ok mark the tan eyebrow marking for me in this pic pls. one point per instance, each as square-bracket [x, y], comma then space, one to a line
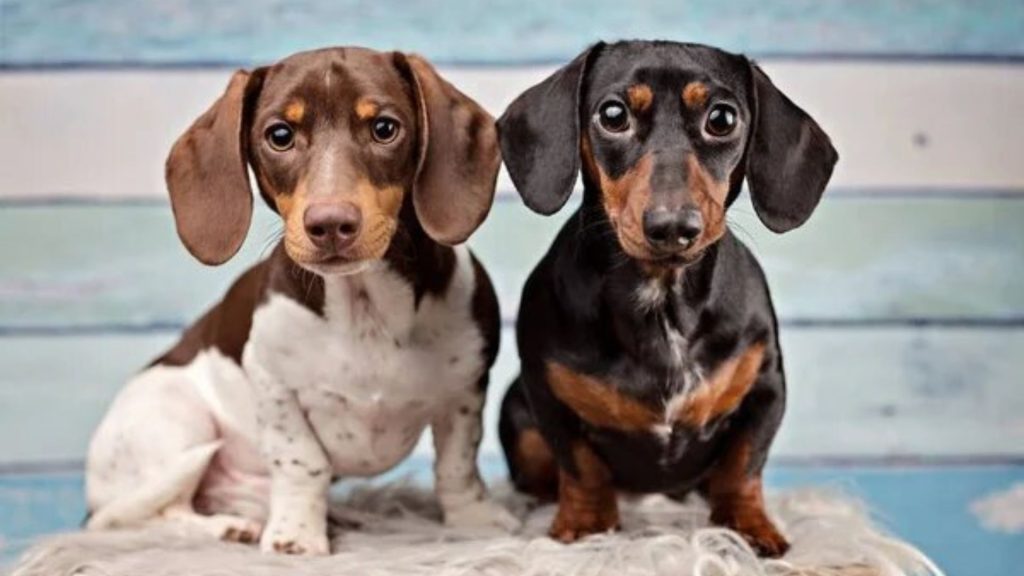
[295, 112]
[640, 97]
[366, 109]
[695, 94]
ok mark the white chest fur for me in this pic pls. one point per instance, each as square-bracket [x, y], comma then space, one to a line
[377, 367]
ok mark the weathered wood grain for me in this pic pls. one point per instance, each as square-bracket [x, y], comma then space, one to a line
[74, 267]
[852, 392]
[906, 124]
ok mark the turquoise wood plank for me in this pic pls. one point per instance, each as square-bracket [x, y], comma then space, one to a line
[53, 391]
[929, 507]
[853, 393]
[41, 32]
[121, 266]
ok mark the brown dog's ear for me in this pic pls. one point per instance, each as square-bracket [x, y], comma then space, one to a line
[458, 156]
[540, 136]
[789, 157]
[208, 178]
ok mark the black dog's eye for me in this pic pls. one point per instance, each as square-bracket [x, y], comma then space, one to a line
[721, 120]
[384, 129]
[280, 136]
[614, 117]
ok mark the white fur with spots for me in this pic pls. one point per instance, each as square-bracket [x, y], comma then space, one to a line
[345, 394]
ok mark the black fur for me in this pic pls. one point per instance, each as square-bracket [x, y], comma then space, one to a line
[579, 306]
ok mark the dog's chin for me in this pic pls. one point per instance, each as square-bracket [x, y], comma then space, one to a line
[652, 259]
[674, 260]
[338, 266]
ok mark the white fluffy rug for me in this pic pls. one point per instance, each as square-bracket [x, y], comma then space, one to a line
[393, 530]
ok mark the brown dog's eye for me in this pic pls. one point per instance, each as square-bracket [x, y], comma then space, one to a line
[385, 129]
[614, 117]
[721, 120]
[280, 136]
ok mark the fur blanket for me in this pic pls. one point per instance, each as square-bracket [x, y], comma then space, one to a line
[394, 529]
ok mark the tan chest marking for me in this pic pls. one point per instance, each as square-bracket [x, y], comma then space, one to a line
[724, 390]
[600, 404]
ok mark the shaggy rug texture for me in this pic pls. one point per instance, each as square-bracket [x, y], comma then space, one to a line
[394, 529]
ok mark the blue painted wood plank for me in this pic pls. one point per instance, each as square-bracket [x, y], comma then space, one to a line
[859, 258]
[53, 391]
[853, 393]
[929, 507]
[42, 32]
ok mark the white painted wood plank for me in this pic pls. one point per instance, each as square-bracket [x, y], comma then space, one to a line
[920, 124]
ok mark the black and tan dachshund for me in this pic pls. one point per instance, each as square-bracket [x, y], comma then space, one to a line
[649, 346]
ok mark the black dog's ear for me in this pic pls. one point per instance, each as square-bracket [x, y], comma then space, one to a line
[789, 157]
[207, 174]
[540, 136]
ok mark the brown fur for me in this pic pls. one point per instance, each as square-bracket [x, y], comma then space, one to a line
[625, 198]
[710, 195]
[723, 392]
[295, 112]
[536, 464]
[640, 97]
[737, 500]
[366, 109]
[695, 95]
[587, 503]
[212, 202]
[598, 403]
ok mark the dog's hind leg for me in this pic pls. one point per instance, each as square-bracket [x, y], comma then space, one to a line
[151, 450]
[531, 463]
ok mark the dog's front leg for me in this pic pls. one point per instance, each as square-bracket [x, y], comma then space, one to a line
[460, 490]
[300, 473]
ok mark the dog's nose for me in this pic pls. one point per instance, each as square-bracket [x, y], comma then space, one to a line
[332, 224]
[672, 229]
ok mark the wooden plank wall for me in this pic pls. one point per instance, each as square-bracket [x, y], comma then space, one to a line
[902, 300]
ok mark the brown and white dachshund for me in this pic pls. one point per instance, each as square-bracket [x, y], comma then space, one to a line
[648, 340]
[364, 326]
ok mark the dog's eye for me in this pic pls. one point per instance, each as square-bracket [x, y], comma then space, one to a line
[721, 120]
[614, 117]
[384, 129]
[280, 136]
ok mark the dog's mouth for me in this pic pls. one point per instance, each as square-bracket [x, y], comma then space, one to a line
[339, 266]
[648, 256]
[672, 261]
[329, 263]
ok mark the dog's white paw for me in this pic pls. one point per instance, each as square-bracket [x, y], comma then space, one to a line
[305, 536]
[482, 514]
[235, 529]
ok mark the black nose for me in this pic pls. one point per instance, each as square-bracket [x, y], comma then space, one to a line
[332, 225]
[672, 229]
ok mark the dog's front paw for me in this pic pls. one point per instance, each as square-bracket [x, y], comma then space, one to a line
[481, 514]
[294, 536]
[572, 523]
[757, 529]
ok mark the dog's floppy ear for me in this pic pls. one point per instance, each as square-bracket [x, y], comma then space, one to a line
[540, 136]
[458, 156]
[789, 157]
[207, 175]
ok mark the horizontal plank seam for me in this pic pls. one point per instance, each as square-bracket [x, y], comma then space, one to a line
[76, 466]
[508, 195]
[158, 327]
[1001, 58]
